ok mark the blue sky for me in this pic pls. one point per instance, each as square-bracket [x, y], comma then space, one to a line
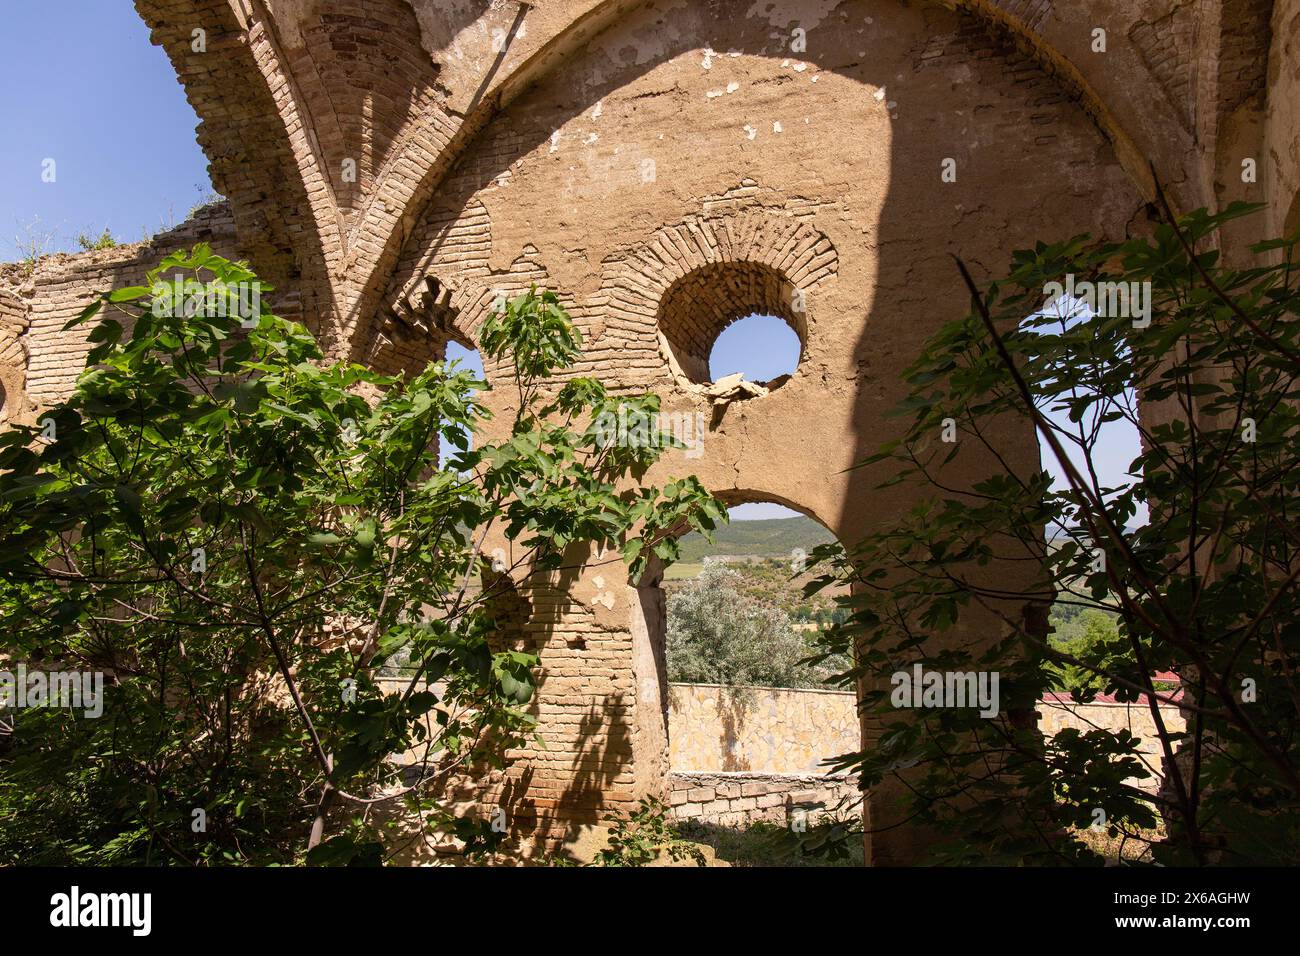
[762, 347]
[80, 84]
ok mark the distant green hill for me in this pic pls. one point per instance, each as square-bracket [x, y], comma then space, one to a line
[766, 538]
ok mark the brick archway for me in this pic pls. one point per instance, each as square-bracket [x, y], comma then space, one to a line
[438, 306]
[659, 773]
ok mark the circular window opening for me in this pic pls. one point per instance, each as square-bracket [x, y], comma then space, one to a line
[733, 319]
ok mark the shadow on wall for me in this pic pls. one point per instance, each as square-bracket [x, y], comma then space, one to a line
[947, 95]
[725, 748]
[731, 712]
[773, 730]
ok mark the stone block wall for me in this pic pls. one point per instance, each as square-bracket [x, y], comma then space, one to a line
[739, 799]
[1056, 712]
[742, 754]
[759, 729]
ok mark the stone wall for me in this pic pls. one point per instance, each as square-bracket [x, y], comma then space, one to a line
[1056, 712]
[781, 731]
[739, 799]
[758, 729]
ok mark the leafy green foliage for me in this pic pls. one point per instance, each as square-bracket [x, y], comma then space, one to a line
[1207, 588]
[89, 242]
[241, 535]
[1093, 636]
[834, 842]
[645, 835]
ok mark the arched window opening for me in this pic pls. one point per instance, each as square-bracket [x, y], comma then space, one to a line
[762, 348]
[463, 358]
[1105, 440]
[1101, 442]
[731, 322]
[459, 358]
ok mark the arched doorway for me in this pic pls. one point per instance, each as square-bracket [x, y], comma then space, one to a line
[748, 721]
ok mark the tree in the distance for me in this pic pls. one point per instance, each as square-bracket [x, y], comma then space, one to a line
[720, 634]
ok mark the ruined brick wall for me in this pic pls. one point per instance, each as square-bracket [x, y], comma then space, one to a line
[396, 89]
[686, 168]
[1057, 712]
[13, 356]
[36, 301]
[666, 165]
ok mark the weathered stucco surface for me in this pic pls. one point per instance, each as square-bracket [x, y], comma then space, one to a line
[667, 167]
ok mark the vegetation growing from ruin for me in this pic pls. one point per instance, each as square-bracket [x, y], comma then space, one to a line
[240, 534]
[94, 242]
[644, 836]
[34, 242]
[1208, 588]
